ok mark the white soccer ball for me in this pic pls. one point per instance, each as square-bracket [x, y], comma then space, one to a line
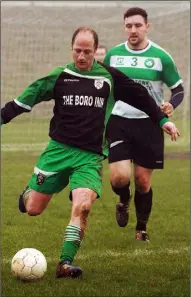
[29, 264]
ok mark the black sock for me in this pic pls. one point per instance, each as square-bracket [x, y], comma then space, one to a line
[123, 193]
[143, 205]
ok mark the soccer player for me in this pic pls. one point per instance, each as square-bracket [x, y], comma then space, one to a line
[133, 137]
[83, 92]
[100, 53]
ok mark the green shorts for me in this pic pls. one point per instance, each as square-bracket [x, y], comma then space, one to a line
[60, 165]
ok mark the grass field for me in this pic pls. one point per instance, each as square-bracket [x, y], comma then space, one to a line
[114, 264]
[32, 132]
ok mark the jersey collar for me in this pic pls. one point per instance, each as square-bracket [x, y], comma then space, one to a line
[85, 72]
[139, 51]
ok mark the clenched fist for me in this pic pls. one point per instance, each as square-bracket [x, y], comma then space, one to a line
[167, 108]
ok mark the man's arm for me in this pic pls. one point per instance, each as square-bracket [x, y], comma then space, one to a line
[38, 91]
[177, 95]
[11, 110]
[173, 80]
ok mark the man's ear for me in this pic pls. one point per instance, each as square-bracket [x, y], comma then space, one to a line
[148, 25]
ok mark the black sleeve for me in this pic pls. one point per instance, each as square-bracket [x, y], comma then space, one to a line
[177, 95]
[127, 90]
[10, 111]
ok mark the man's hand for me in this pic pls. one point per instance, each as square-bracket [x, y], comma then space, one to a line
[167, 108]
[171, 129]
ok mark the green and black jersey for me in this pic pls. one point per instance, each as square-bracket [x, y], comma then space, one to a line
[83, 103]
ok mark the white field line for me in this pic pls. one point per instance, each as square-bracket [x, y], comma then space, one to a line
[137, 253]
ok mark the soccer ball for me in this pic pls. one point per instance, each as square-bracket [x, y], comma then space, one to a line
[29, 264]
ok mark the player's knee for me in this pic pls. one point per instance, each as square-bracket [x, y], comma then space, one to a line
[119, 180]
[32, 208]
[82, 208]
[81, 211]
[142, 183]
[36, 203]
[84, 212]
[33, 211]
[85, 208]
[82, 201]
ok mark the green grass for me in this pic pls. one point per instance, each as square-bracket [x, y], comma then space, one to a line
[32, 132]
[114, 264]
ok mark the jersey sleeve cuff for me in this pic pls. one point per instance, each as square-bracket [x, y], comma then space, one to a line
[163, 121]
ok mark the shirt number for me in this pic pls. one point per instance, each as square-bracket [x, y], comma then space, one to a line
[134, 62]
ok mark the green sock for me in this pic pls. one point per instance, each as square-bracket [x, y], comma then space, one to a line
[71, 243]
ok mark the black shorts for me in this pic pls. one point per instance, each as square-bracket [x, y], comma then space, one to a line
[139, 140]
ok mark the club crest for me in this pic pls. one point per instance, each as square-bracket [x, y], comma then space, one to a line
[98, 83]
[40, 178]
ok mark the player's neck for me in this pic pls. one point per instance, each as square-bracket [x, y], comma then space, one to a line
[140, 46]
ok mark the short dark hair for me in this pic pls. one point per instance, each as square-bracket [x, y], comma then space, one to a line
[85, 29]
[136, 11]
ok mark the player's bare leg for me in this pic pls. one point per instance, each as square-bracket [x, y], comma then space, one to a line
[82, 200]
[32, 202]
